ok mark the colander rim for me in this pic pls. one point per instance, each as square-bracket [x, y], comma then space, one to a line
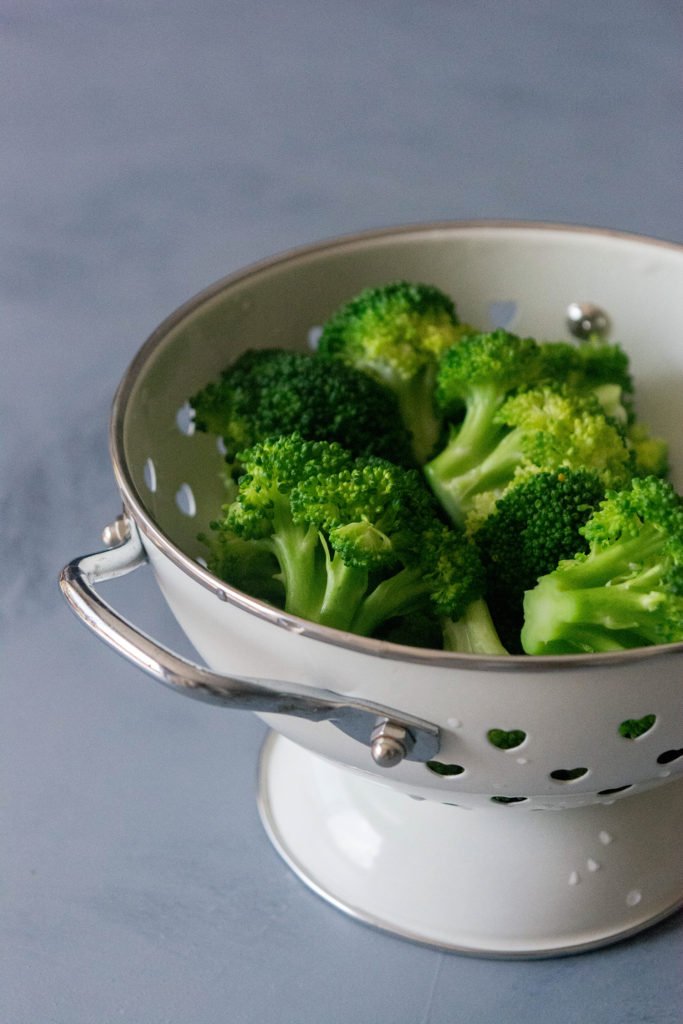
[134, 506]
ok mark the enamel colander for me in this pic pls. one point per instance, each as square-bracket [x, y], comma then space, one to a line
[500, 806]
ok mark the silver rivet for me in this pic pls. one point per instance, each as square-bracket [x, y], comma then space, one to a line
[388, 744]
[585, 319]
[117, 532]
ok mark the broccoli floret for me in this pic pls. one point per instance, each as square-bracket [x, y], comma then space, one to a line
[272, 391]
[530, 529]
[396, 333]
[478, 374]
[543, 428]
[594, 365]
[603, 369]
[627, 590]
[357, 541]
[650, 454]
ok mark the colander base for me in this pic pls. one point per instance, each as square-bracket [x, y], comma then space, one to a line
[501, 882]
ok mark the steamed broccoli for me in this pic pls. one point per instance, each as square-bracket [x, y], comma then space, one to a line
[531, 528]
[650, 454]
[272, 391]
[594, 365]
[356, 542]
[396, 333]
[604, 370]
[249, 565]
[541, 428]
[478, 374]
[627, 590]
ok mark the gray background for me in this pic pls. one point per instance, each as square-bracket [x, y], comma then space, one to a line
[148, 148]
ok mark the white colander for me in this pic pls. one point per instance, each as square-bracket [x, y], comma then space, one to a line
[399, 782]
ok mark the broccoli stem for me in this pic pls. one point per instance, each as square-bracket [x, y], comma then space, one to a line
[297, 549]
[416, 404]
[344, 590]
[474, 632]
[495, 470]
[476, 435]
[401, 594]
[596, 618]
[626, 560]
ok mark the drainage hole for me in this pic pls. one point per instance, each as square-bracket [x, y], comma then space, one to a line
[670, 755]
[502, 313]
[149, 473]
[615, 789]
[439, 768]
[505, 740]
[509, 799]
[184, 419]
[634, 728]
[313, 337]
[185, 500]
[568, 774]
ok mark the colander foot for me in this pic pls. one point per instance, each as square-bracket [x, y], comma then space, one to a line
[500, 882]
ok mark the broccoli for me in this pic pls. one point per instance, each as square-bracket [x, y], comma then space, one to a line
[594, 365]
[478, 374]
[396, 333]
[541, 428]
[650, 454]
[357, 542]
[604, 370]
[272, 391]
[531, 528]
[474, 632]
[248, 565]
[627, 590]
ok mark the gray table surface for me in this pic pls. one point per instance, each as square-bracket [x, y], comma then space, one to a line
[148, 148]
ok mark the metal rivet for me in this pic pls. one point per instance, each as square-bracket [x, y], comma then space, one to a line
[585, 319]
[388, 744]
[117, 532]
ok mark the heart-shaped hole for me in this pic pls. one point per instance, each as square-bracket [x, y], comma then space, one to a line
[502, 313]
[506, 739]
[634, 728]
[568, 774]
[439, 768]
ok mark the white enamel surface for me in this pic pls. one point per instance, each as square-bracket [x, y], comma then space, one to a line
[571, 717]
[496, 883]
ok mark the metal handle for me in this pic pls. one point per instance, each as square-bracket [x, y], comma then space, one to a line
[391, 735]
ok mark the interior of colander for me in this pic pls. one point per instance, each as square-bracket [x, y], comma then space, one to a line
[522, 278]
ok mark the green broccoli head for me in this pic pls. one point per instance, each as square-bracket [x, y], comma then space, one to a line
[396, 333]
[355, 541]
[593, 365]
[553, 426]
[271, 391]
[650, 454]
[603, 370]
[627, 590]
[372, 511]
[473, 381]
[536, 523]
[485, 368]
[542, 427]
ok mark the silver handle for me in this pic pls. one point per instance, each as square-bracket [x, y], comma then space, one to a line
[391, 735]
